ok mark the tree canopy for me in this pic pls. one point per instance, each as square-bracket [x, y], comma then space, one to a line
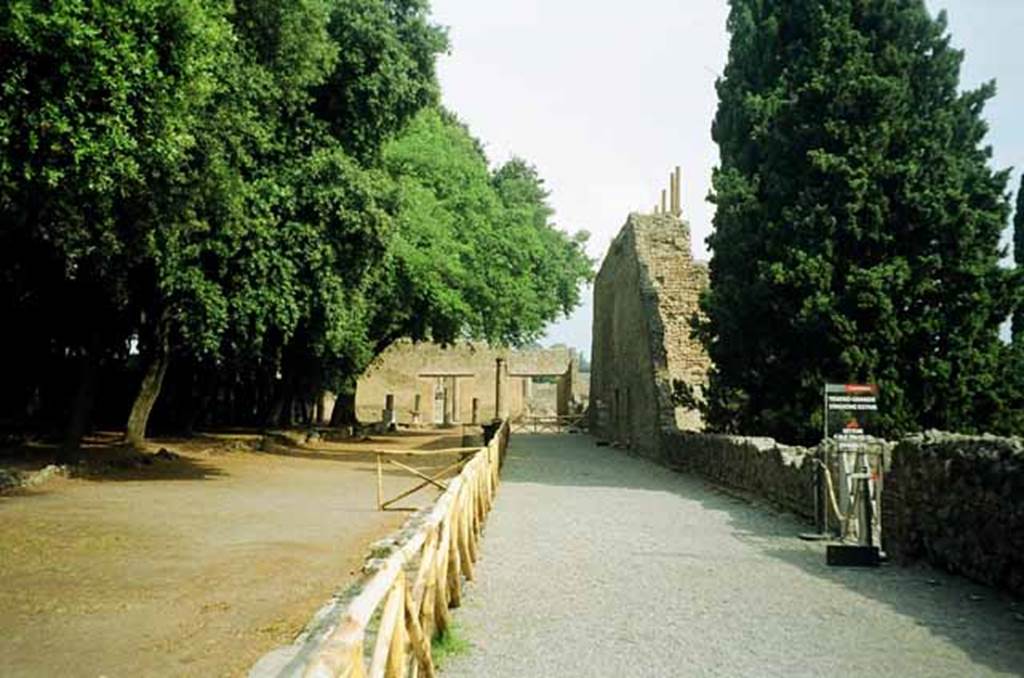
[240, 204]
[858, 223]
[1018, 258]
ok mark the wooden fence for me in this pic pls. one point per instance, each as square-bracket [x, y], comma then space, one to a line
[383, 627]
[549, 424]
[437, 478]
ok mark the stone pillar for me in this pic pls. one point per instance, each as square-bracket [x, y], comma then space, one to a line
[447, 421]
[389, 417]
[499, 389]
[476, 411]
[456, 401]
[417, 417]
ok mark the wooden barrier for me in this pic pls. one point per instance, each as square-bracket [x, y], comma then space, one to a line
[549, 424]
[383, 627]
[436, 479]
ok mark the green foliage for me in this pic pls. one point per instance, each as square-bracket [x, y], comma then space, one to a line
[474, 253]
[858, 223]
[250, 186]
[1018, 257]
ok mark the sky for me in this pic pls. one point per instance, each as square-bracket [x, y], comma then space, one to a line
[606, 98]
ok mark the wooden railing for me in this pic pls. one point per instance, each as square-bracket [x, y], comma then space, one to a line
[436, 478]
[549, 423]
[383, 626]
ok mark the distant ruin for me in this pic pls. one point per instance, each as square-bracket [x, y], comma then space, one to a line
[645, 296]
[468, 383]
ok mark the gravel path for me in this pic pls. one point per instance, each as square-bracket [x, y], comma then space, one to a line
[596, 563]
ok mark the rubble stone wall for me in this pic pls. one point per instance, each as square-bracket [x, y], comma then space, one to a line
[955, 501]
[781, 474]
[958, 501]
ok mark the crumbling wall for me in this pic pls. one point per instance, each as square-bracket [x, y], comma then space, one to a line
[399, 371]
[645, 296]
[782, 474]
[958, 501]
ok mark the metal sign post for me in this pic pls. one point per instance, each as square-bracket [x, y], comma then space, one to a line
[849, 411]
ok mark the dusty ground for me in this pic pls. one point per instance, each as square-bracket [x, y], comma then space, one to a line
[194, 566]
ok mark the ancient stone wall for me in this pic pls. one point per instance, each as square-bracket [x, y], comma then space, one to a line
[958, 501]
[782, 474]
[408, 369]
[645, 295]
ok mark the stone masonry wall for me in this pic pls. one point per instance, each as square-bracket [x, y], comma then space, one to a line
[958, 501]
[644, 296]
[398, 371]
[782, 474]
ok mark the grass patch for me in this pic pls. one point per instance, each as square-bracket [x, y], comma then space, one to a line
[449, 644]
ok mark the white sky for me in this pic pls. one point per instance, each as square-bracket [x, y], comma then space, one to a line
[605, 98]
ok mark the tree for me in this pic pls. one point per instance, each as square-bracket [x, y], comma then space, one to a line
[97, 109]
[196, 180]
[475, 254]
[237, 205]
[1018, 257]
[858, 222]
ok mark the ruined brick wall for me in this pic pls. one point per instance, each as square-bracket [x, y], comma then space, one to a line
[398, 371]
[644, 297]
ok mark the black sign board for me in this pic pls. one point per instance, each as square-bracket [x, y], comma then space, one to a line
[850, 411]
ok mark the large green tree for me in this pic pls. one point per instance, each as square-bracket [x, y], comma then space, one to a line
[474, 253]
[194, 179]
[99, 106]
[1018, 258]
[858, 222]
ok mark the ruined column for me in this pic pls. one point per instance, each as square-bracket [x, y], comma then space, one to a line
[416, 416]
[672, 193]
[456, 416]
[447, 417]
[678, 181]
[476, 411]
[389, 415]
[499, 389]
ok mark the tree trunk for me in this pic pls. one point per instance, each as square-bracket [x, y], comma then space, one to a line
[81, 409]
[282, 401]
[344, 413]
[318, 416]
[149, 390]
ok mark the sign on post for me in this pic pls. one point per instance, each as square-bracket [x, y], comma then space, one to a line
[850, 418]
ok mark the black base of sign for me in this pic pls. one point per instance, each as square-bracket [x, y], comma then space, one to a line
[845, 555]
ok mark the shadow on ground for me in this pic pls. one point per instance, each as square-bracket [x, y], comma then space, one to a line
[104, 457]
[987, 624]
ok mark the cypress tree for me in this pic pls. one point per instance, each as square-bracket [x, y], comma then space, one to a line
[858, 222]
[1018, 258]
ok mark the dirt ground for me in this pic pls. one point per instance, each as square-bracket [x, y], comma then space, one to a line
[193, 566]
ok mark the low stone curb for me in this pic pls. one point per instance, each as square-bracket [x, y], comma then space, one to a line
[11, 480]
